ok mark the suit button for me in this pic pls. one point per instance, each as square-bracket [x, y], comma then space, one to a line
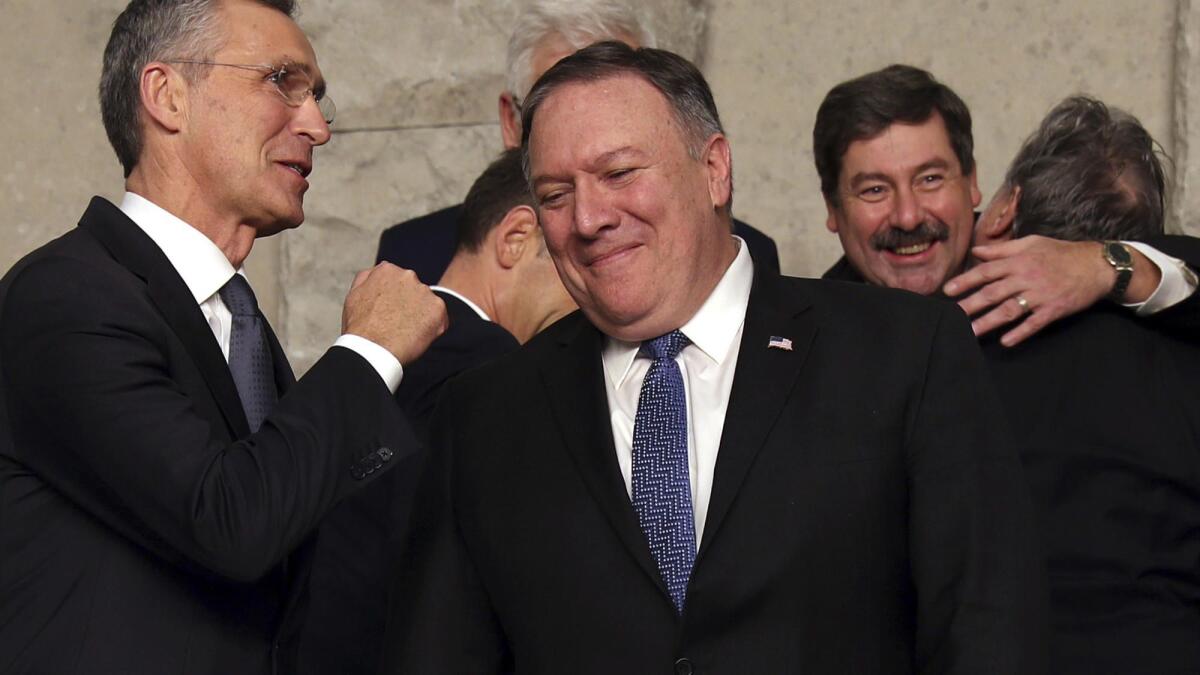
[684, 667]
[385, 454]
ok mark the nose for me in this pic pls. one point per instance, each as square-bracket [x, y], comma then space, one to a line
[593, 212]
[907, 213]
[310, 122]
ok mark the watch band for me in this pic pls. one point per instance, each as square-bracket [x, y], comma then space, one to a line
[1118, 255]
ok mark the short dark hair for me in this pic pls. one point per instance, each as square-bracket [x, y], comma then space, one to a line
[155, 30]
[1089, 172]
[499, 189]
[673, 76]
[862, 108]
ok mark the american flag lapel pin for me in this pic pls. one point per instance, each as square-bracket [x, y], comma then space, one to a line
[777, 342]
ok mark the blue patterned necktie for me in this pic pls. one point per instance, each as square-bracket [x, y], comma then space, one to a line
[662, 495]
[249, 357]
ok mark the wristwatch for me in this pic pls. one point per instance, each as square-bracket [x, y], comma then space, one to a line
[1117, 255]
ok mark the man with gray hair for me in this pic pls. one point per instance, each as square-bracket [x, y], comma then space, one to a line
[1105, 409]
[546, 31]
[161, 470]
[710, 468]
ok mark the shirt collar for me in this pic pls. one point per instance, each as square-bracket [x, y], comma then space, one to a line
[201, 264]
[466, 301]
[712, 329]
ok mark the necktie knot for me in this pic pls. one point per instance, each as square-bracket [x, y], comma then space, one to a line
[665, 346]
[239, 297]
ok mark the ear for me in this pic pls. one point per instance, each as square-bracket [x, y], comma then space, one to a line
[831, 216]
[515, 236]
[1001, 227]
[510, 121]
[164, 95]
[976, 196]
[719, 164]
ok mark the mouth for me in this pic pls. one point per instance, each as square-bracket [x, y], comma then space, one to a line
[612, 256]
[302, 169]
[910, 246]
[913, 249]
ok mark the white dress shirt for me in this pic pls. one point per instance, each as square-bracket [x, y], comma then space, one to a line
[1177, 284]
[205, 269]
[707, 366]
[466, 301]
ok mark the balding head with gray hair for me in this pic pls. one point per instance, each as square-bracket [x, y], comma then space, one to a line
[1089, 172]
[579, 22]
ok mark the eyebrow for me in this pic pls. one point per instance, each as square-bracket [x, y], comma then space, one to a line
[600, 160]
[304, 67]
[860, 178]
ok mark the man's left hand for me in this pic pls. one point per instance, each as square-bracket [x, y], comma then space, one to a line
[1034, 277]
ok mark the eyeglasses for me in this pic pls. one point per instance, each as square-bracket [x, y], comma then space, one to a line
[293, 84]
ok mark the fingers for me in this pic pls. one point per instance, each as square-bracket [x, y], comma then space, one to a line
[1030, 326]
[990, 295]
[359, 278]
[1003, 313]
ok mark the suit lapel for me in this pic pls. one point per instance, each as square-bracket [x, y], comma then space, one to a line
[574, 378]
[138, 253]
[762, 384]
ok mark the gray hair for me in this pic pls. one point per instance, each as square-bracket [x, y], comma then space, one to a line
[1089, 172]
[155, 30]
[579, 22]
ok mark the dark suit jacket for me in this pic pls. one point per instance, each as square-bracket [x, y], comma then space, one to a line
[1107, 414]
[1108, 422]
[868, 514]
[144, 529]
[357, 545]
[426, 244]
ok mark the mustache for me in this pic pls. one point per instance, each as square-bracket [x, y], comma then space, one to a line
[893, 238]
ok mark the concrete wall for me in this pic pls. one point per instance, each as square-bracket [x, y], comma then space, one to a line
[416, 84]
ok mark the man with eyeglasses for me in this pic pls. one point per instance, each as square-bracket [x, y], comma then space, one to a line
[161, 471]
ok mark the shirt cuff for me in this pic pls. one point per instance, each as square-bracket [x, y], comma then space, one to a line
[1178, 281]
[383, 361]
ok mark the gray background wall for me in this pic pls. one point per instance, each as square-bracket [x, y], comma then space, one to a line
[416, 84]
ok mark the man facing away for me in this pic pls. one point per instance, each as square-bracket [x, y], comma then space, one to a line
[546, 31]
[710, 468]
[160, 469]
[500, 290]
[1105, 409]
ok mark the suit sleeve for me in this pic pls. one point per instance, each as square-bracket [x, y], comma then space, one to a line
[981, 587]
[104, 408]
[441, 620]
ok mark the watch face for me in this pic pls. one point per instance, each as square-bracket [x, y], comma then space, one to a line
[1117, 253]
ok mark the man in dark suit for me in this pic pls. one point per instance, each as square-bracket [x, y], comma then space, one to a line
[545, 32]
[1105, 408]
[711, 468]
[895, 155]
[160, 469]
[1101, 401]
[500, 289]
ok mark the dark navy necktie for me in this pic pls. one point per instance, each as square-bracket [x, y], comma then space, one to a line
[662, 495]
[249, 357]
